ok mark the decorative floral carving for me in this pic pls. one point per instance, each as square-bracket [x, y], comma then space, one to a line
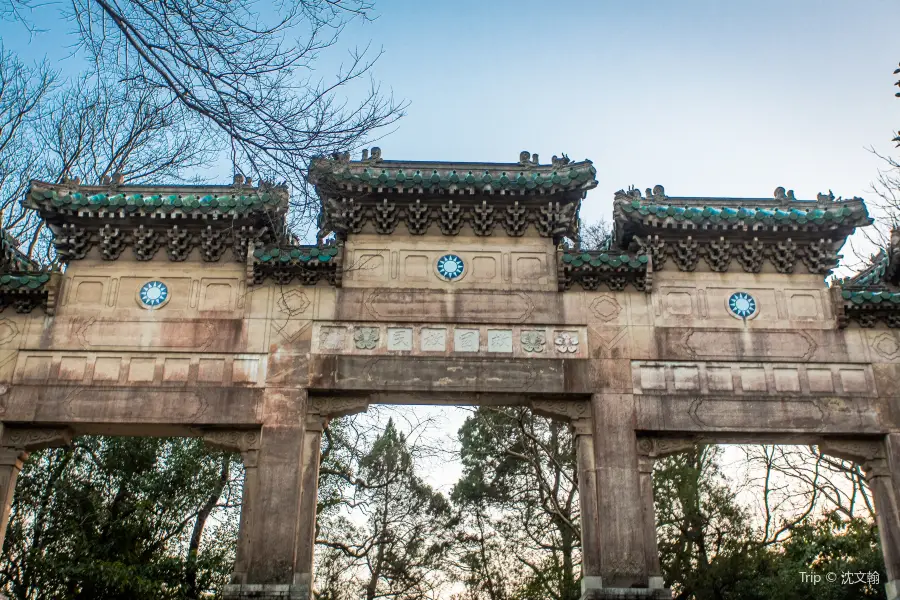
[566, 341]
[366, 338]
[332, 338]
[563, 410]
[32, 439]
[232, 439]
[533, 341]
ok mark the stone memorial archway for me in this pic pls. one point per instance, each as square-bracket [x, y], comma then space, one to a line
[185, 311]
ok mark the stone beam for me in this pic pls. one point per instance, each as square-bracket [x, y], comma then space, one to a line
[761, 415]
[449, 374]
[198, 406]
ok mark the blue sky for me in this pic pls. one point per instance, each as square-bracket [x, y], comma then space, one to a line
[704, 97]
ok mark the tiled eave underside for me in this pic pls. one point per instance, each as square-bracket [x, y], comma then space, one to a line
[223, 199]
[869, 306]
[439, 177]
[11, 258]
[309, 272]
[25, 291]
[552, 216]
[595, 270]
[455, 190]
[62, 215]
[175, 233]
[670, 228]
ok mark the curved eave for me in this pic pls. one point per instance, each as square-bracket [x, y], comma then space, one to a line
[298, 255]
[871, 298]
[604, 261]
[453, 177]
[154, 201]
[848, 215]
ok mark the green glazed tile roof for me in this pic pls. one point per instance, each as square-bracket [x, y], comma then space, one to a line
[12, 258]
[851, 213]
[882, 297]
[23, 281]
[223, 203]
[871, 275]
[296, 255]
[600, 259]
[484, 177]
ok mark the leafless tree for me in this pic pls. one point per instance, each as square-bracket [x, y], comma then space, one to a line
[248, 78]
[787, 484]
[23, 90]
[86, 130]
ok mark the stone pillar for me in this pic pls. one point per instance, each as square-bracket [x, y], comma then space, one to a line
[651, 551]
[264, 565]
[624, 568]
[587, 496]
[15, 446]
[649, 449]
[306, 530]
[246, 442]
[11, 460]
[578, 414]
[619, 492]
[278, 516]
[321, 410]
[881, 463]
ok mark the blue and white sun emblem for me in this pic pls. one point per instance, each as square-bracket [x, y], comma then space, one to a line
[153, 294]
[742, 305]
[450, 266]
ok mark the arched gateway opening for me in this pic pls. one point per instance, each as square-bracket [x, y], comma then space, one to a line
[190, 311]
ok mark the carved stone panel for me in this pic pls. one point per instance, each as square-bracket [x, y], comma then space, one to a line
[754, 379]
[450, 339]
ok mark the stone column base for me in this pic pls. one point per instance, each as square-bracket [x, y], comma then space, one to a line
[256, 591]
[627, 594]
[892, 589]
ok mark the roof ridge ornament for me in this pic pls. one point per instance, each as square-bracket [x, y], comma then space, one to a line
[560, 162]
[784, 197]
[375, 156]
[527, 159]
[67, 179]
[657, 194]
[825, 199]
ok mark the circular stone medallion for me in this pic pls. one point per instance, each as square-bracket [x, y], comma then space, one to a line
[742, 305]
[450, 267]
[153, 294]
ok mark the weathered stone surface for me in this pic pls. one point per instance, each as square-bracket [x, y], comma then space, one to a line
[635, 346]
[381, 373]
